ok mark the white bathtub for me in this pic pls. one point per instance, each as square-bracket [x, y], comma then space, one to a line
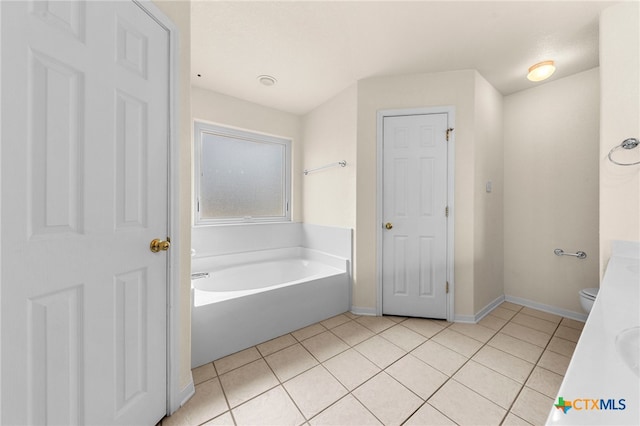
[249, 298]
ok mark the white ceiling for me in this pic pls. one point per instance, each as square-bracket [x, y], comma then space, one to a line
[317, 49]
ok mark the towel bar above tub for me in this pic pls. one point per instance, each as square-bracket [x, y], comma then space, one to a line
[342, 163]
[198, 275]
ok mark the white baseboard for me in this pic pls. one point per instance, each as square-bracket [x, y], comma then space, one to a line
[520, 301]
[363, 311]
[184, 395]
[470, 319]
[578, 316]
[473, 319]
[490, 307]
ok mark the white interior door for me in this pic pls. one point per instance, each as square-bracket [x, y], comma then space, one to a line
[414, 238]
[84, 191]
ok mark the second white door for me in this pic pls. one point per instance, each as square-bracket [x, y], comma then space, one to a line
[414, 242]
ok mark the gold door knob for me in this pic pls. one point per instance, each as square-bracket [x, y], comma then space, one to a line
[157, 245]
[388, 225]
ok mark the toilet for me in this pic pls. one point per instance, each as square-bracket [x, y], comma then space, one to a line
[587, 297]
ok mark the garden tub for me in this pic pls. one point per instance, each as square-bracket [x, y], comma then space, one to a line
[241, 300]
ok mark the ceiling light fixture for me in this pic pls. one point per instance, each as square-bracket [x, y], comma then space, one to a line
[267, 80]
[541, 71]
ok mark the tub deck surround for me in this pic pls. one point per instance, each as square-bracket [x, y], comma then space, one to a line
[276, 292]
[242, 238]
[602, 366]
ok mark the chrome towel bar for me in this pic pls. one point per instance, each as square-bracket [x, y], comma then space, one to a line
[579, 255]
[342, 163]
[198, 275]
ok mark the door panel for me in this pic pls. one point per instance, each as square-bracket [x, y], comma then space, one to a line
[85, 113]
[414, 200]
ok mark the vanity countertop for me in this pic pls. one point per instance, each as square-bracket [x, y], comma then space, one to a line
[603, 371]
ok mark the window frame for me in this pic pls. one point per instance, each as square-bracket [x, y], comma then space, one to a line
[203, 127]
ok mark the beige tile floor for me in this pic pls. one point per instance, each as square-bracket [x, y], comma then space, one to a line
[359, 370]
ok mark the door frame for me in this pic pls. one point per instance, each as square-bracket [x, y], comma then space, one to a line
[174, 395]
[450, 111]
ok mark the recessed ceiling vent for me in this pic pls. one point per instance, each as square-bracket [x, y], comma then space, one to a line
[267, 80]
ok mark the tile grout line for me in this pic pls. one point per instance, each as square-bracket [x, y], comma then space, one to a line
[281, 383]
[382, 370]
[459, 368]
[321, 363]
[524, 385]
[226, 400]
[425, 401]
[350, 392]
[470, 358]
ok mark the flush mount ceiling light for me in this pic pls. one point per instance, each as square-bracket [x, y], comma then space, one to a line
[541, 71]
[267, 80]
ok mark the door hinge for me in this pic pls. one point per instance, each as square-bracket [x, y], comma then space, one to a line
[446, 211]
[449, 130]
[447, 287]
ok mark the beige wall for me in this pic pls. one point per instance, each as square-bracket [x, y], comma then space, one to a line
[180, 13]
[330, 131]
[488, 206]
[415, 91]
[551, 190]
[229, 111]
[619, 120]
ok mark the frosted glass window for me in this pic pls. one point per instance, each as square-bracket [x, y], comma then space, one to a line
[241, 176]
